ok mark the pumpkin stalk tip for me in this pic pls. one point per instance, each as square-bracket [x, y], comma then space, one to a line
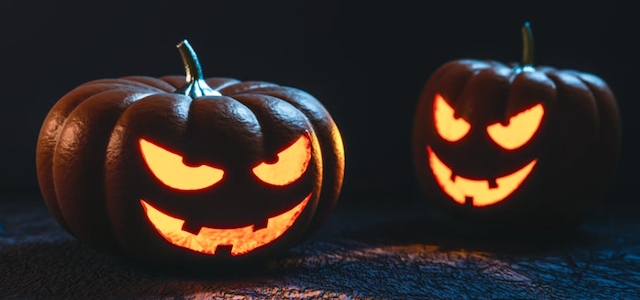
[182, 44]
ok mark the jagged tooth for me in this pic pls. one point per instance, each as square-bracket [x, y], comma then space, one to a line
[260, 225]
[191, 228]
[492, 183]
[223, 250]
[468, 201]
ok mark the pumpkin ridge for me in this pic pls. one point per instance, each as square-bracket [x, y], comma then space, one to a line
[219, 87]
[107, 87]
[151, 81]
[491, 74]
[223, 107]
[599, 99]
[253, 107]
[451, 69]
[49, 147]
[608, 111]
[246, 87]
[136, 83]
[560, 85]
[74, 107]
[563, 88]
[469, 73]
[97, 106]
[121, 81]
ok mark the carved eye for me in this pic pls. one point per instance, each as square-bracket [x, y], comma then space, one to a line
[520, 130]
[169, 168]
[291, 164]
[449, 127]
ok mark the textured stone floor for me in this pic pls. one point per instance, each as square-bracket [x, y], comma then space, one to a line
[370, 251]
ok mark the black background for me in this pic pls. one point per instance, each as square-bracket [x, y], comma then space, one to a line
[366, 61]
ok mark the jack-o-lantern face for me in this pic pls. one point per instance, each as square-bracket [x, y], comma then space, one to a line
[218, 190]
[170, 169]
[188, 172]
[482, 192]
[517, 146]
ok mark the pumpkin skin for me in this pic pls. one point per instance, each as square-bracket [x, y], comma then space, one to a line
[567, 162]
[94, 176]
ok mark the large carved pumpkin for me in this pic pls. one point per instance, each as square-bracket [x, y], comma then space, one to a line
[184, 171]
[517, 146]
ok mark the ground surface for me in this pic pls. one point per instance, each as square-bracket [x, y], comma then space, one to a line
[364, 252]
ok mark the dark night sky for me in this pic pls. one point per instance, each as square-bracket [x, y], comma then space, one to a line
[366, 61]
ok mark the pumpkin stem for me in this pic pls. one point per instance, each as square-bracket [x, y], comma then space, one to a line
[195, 85]
[527, 46]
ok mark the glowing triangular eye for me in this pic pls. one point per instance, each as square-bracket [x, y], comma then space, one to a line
[520, 130]
[449, 128]
[291, 164]
[169, 168]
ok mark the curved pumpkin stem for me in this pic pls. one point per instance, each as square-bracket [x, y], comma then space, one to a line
[527, 46]
[195, 85]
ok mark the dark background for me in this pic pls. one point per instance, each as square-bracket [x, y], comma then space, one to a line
[366, 61]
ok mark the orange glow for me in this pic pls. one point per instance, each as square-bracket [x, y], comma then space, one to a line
[242, 240]
[520, 130]
[460, 188]
[449, 127]
[291, 164]
[169, 168]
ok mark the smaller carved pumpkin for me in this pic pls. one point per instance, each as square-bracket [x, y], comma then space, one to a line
[188, 174]
[517, 146]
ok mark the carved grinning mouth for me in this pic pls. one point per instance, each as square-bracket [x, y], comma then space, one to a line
[242, 240]
[476, 192]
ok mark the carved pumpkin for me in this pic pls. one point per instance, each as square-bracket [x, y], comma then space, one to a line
[210, 171]
[517, 146]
